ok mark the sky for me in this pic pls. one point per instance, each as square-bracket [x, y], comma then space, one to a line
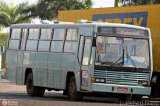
[96, 3]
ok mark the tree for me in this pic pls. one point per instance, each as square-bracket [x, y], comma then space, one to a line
[137, 2]
[10, 14]
[116, 3]
[48, 9]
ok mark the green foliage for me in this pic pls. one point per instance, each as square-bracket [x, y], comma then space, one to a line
[136, 2]
[48, 9]
[10, 14]
[3, 39]
[116, 3]
[3, 42]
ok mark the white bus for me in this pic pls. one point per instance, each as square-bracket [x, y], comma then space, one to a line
[80, 58]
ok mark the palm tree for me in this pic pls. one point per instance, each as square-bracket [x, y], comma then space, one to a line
[48, 9]
[10, 14]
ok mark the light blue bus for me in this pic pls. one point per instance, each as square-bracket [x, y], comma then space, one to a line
[83, 58]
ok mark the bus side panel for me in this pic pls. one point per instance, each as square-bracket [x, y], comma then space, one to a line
[41, 68]
[29, 62]
[54, 74]
[11, 62]
[67, 65]
[19, 73]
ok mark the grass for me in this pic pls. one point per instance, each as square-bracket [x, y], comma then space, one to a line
[3, 42]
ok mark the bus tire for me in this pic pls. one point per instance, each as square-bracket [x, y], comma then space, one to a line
[155, 92]
[125, 97]
[137, 97]
[31, 89]
[72, 91]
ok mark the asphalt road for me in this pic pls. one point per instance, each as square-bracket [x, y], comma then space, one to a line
[15, 95]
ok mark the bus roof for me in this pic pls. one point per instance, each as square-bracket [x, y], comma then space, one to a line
[98, 24]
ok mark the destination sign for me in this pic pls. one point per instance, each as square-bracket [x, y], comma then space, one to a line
[122, 31]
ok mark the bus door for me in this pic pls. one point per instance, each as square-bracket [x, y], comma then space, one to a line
[84, 60]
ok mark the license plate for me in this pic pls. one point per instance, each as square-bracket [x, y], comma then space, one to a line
[122, 89]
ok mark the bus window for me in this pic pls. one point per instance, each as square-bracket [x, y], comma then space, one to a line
[32, 40]
[71, 40]
[33, 34]
[57, 43]
[72, 34]
[44, 42]
[59, 34]
[14, 39]
[31, 45]
[13, 44]
[46, 34]
[56, 46]
[15, 33]
[24, 38]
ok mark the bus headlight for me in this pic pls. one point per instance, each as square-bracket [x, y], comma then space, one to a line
[98, 80]
[144, 83]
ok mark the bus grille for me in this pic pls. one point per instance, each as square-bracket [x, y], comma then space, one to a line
[117, 77]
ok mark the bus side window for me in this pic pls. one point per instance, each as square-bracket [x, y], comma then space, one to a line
[24, 38]
[14, 39]
[71, 40]
[57, 42]
[44, 42]
[32, 40]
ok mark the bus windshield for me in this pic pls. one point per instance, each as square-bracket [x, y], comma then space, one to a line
[122, 52]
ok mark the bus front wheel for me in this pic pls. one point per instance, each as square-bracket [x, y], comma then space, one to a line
[31, 89]
[72, 91]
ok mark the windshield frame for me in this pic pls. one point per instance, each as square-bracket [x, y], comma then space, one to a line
[124, 36]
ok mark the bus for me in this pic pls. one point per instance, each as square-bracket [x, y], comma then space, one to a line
[80, 59]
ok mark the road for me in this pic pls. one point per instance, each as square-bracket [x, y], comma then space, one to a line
[15, 95]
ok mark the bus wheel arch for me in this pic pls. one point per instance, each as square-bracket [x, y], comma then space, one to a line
[32, 90]
[71, 88]
[155, 85]
[68, 77]
[27, 71]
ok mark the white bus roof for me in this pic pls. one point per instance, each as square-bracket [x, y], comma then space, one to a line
[103, 24]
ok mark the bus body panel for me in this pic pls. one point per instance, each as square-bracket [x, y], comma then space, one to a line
[11, 62]
[113, 88]
[54, 65]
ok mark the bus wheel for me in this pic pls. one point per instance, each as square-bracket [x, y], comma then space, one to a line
[155, 92]
[31, 90]
[72, 91]
[125, 97]
[137, 97]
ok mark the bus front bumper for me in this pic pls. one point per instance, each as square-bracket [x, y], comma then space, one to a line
[123, 89]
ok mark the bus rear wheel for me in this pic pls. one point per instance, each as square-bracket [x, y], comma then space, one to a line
[31, 89]
[72, 91]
